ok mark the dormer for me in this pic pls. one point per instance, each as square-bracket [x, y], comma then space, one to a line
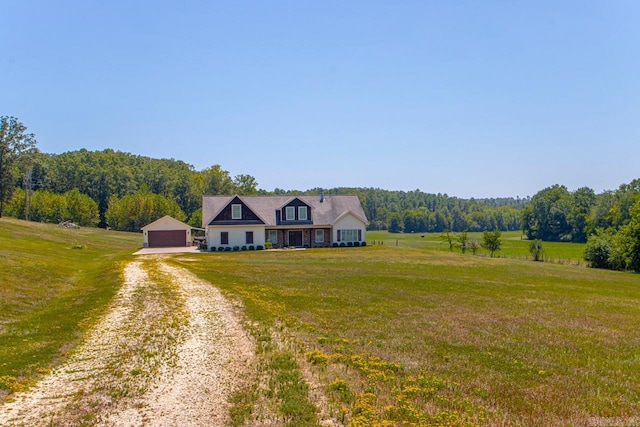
[295, 211]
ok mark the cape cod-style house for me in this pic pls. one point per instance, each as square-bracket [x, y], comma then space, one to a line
[285, 221]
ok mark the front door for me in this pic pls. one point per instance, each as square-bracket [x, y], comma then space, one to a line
[295, 238]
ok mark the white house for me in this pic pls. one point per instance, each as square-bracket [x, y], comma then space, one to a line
[165, 232]
[300, 221]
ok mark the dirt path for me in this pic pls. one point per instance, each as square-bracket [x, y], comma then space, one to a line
[169, 352]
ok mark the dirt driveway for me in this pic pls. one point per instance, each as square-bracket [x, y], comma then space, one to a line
[169, 352]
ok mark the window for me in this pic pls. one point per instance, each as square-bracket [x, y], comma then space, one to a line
[273, 236]
[236, 211]
[291, 213]
[349, 235]
[249, 237]
[319, 236]
[302, 213]
[224, 237]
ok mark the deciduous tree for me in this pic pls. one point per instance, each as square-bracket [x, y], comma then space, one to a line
[491, 241]
[15, 144]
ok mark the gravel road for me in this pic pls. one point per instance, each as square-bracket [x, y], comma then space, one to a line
[169, 352]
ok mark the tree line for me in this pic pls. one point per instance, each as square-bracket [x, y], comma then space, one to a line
[125, 191]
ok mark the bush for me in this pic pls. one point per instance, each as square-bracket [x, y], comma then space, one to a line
[244, 248]
[335, 245]
[268, 244]
[259, 247]
[350, 244]
[599, 250]
[342, 245]
[212, 249]
[535, 248]
[236, 248]
[252, 248]
[356, 244]
[221, 249]
[364, 244]
[227, 249]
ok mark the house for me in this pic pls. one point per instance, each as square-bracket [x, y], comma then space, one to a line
[166, 232]
[285, 221]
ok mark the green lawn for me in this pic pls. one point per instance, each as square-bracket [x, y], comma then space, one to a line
[514, 245]
[432, 337]
[54, 281]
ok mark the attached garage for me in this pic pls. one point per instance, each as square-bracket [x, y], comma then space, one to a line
[166, 232]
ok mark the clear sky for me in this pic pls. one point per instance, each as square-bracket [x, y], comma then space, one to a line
[469, 98]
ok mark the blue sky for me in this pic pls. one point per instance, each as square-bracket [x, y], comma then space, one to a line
[468, 98]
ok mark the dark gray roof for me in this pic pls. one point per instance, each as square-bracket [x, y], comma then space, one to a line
[323, 213]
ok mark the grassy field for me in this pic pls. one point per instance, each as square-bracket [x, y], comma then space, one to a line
[408, 335]
[53, 281]
[431, 337]
[514, 245]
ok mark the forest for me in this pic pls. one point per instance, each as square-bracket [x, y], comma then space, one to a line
[124, 191]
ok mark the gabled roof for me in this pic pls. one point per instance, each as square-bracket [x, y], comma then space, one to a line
[167, 220]
[221, 204]
[322, 213]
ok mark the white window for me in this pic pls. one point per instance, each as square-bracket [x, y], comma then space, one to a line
[236, 211]
[291, 213]
[319, 236]
[302, 213]
[348, 235]
[273, 236]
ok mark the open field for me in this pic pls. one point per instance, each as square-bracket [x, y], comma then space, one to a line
[54, 281]
[401, 334]
[376, 335]
[514, 245]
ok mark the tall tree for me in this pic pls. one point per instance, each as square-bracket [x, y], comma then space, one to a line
[629, 238]
[245, 185]
[217, 181]
[15, 144]
[555, 214]
[133, 211]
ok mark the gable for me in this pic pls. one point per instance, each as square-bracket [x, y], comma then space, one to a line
[291, 213]
[349, 220]
[166, 223]
[226, 214]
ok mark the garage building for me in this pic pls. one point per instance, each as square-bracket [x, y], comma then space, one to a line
[166, 232]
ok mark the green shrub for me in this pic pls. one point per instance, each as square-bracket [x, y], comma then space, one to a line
[236, 248]
[227, 249]
[356, 244]
[599, 250]
[259, 247]
[252, 248]
[221, 249]
[212, 249]
[243, 248]
[335, 245]
[268, 244]
[535, 249]
[350, 244]
[364, 244]
[342, 245]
